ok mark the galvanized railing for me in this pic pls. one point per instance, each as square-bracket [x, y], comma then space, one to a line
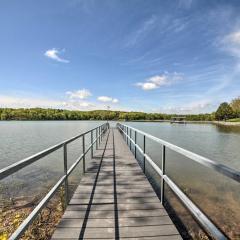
[7, 171]
[201, 218]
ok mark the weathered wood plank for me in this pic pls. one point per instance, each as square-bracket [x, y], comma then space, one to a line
[111, 195]
[134, 221]
[120, 206]
[122, 213]
[114, 200]
[107, 232]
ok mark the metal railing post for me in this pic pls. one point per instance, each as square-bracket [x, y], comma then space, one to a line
[96, 139]
[65, 172]
[130, 139]
[92, 144]
[163, 172]
[135, 148]
[99, 136]
[83, 148]
[144, 151]
[127, 135]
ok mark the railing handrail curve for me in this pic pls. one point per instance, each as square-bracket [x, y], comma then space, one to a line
[221, 168]
[4, 172]
[100, 130]
[201, 218]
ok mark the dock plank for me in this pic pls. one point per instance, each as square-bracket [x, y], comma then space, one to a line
[114, 200]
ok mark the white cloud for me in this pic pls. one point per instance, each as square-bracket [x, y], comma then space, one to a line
[107, 99]
[115, 100]
[158, 81]
[69, 103]
[54, 54]
[78, 105]
[79, 94]
[147, 85]
[24, 102]
[195, 107]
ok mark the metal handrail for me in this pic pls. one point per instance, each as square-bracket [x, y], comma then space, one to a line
[100, 130]
[221, 168]
[202, 219]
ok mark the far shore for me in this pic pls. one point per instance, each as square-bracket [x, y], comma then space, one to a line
[206, 122]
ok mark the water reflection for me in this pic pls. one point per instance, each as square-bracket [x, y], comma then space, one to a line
[228, 129]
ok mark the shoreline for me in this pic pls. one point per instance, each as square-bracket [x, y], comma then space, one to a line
[201, 122]
[227, 123]
[222, 123]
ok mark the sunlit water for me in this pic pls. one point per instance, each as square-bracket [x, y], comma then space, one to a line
[215, 194]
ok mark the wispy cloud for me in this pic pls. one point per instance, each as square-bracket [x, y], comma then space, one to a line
[26, 102]
[78, 105]
[195, 107]
[108, 99]
[231, 43]
[68, 103]
[79, 94]
[159, 81]
[54, 54]
[185, 3]
[145, 27]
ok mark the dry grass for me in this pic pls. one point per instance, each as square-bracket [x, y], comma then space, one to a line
[43, 226]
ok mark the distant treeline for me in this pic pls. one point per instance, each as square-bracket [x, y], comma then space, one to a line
[224, 112]
[58, 114]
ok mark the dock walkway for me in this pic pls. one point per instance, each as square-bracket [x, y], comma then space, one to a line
[114, 200]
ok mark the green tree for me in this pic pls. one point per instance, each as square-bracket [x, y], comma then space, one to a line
[224, 112]
[4, 116]
[235, 104]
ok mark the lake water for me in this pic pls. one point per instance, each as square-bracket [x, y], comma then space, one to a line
[20, 139]
[218, 196]
[215, 194]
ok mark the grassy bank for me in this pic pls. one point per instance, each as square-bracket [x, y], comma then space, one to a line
[12, 215]
[234, 120]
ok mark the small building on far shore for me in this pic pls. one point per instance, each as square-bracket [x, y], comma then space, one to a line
[179, 119]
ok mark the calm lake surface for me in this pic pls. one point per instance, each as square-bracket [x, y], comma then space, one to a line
[218, 196]
[215, 194]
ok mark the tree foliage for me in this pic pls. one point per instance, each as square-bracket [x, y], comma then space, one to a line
[59, 114]
[235, 104]
[224, 112]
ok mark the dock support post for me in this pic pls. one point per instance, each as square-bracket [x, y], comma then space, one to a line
[92, 144]
[163, 172]
[144, 151]
[83, 148]
[135, 148]
[65, 172]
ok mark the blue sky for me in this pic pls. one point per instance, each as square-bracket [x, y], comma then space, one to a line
[178, 56]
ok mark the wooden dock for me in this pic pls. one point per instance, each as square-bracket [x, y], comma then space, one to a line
[114, 200]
